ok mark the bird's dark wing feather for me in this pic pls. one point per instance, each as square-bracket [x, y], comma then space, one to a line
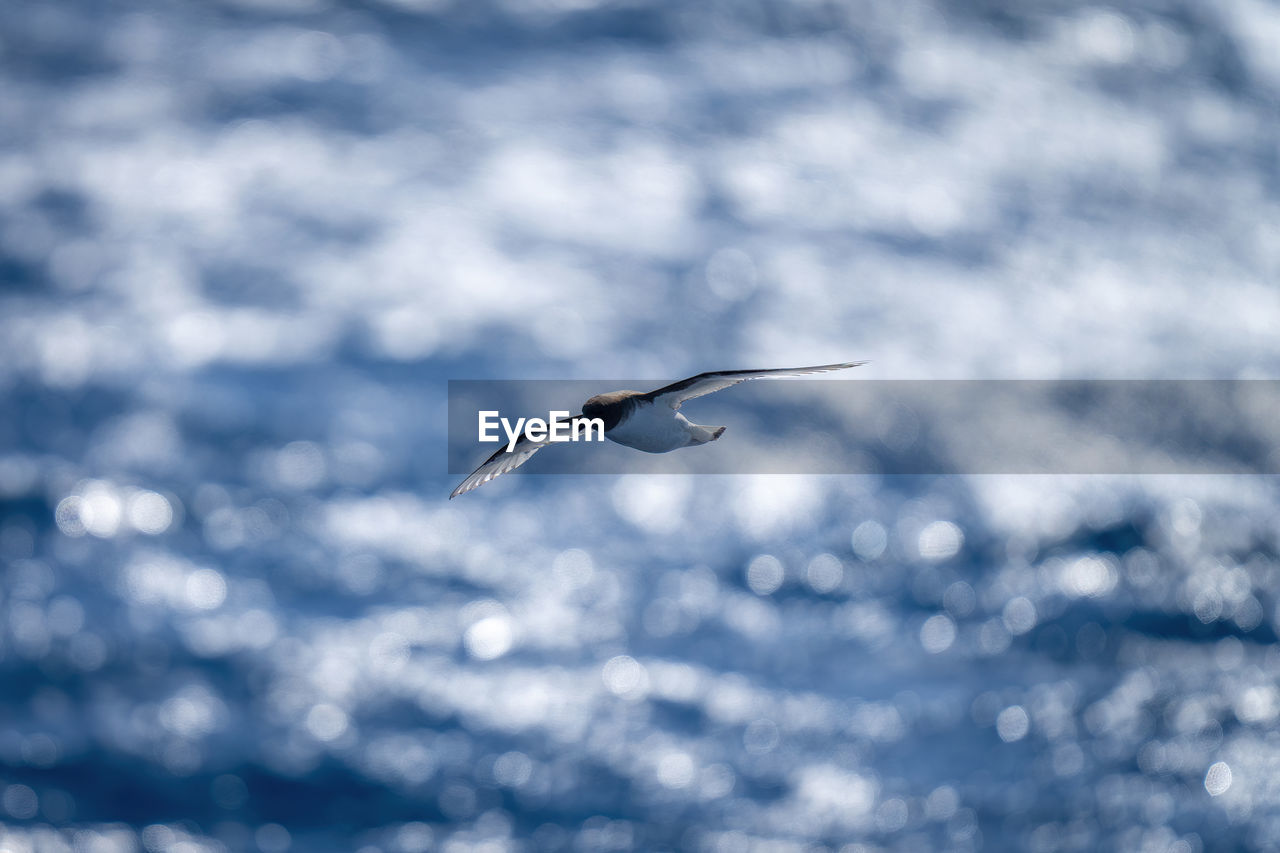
[708, 383]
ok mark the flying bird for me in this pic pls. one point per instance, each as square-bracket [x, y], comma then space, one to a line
[650, 422]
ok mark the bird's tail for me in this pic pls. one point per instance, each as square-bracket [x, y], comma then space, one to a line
[705, 434]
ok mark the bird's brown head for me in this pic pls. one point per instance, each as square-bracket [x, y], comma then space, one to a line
[611, 407]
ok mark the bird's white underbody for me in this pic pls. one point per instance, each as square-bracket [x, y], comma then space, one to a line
[654, 428]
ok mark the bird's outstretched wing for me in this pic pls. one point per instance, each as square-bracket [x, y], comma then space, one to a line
[502, 461]
[498, 464]
[708, 383]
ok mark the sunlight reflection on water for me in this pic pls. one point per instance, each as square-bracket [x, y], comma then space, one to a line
[243, 247]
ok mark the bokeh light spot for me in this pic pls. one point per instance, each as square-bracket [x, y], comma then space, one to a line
[626, 677]
[272, 838]
[1013, 723]
[869, 540]
[824, 573]
[149, 512]
[939, 540]
[327, 722]
[937, 634]
[1218, 779]
[765, 574]
[490, 638]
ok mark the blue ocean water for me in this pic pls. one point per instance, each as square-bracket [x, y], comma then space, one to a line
[245, 243]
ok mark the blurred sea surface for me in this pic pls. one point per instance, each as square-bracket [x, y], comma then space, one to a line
[244, 244]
